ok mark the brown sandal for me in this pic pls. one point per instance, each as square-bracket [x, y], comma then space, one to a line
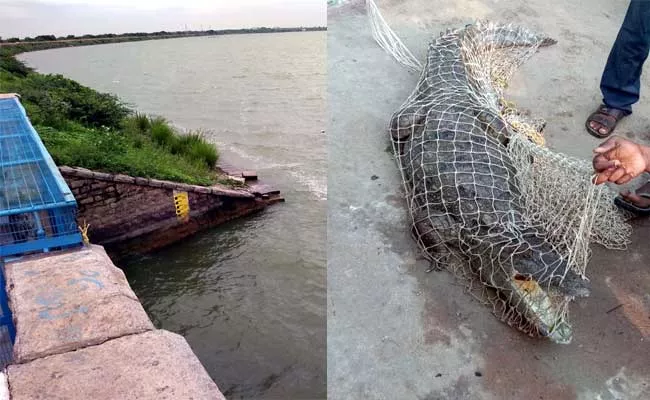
[607, 117]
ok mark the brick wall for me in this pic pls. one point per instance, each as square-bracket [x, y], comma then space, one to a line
[128, 214]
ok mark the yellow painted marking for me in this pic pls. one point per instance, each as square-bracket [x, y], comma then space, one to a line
[182, 204]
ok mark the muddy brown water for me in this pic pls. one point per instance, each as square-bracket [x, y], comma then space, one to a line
[248, 296]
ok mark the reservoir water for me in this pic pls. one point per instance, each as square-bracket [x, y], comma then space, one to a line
[250, 296]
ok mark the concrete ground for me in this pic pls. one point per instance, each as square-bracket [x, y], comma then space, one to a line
[396, 332]
[81, 333]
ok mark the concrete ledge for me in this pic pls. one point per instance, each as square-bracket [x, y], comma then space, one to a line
[4, 387]
[69, 300]
[155, 365]
[215, 189]
[138, 214]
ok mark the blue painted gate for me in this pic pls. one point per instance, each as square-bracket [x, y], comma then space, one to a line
[37, 209]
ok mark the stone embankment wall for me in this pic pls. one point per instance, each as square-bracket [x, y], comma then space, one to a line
[128, 214]
[81, 333]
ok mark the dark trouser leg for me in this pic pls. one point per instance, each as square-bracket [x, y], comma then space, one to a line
[621, 79]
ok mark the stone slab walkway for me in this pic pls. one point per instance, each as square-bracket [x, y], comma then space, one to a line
[81, 333]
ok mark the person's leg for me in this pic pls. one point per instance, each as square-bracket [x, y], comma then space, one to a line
[621, 80]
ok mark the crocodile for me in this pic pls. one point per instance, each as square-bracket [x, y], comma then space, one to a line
[450, 141]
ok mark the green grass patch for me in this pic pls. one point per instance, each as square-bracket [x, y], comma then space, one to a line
[53, 99]
[162, 133]
[116, 152]
[194, 146]
[84, 128]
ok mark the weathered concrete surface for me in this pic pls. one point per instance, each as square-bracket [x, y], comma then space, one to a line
[154, 365]
[396, 332]
[81, 333]
[4, 387]
[69, 300]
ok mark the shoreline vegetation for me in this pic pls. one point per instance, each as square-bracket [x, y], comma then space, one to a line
[44, 42]
[82, 127]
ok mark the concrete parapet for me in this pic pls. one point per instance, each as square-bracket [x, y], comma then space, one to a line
[81, 333]
[4, 387]
[68, 300]
[155, 365]
[119, 178]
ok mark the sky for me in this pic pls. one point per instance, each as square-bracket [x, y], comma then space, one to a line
[20, 18]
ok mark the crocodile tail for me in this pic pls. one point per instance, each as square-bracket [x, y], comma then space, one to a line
[508, 35]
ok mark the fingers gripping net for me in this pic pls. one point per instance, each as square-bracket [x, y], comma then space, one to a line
[486, 199]
[560, 196]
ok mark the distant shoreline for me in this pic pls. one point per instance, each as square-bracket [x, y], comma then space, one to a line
[73, 120]
[44, 42]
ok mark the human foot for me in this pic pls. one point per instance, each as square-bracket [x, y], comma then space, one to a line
[637, 202]
[601, 123]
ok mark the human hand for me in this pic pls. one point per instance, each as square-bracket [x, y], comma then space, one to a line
[619, 160]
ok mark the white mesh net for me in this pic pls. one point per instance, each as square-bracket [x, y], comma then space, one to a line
[388, 40]
[487, 200]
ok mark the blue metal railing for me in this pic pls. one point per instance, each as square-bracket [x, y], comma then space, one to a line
[7, 327]
[37, 208]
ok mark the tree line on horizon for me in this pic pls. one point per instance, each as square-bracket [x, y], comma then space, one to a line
[52, 38]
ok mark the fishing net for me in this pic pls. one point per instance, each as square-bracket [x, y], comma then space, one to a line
[487, 199]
